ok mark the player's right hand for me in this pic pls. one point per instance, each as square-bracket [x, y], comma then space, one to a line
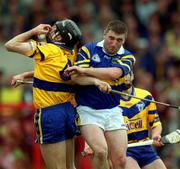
[42, 29]
[157, 141]
[14, 80]
[103, 86]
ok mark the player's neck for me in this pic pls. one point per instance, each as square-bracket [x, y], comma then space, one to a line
[128, 91]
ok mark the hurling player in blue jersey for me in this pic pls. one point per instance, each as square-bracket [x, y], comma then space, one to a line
[101, 121]
[141, 116]
[55, 117]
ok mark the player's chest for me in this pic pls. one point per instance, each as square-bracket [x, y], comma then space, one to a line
[100, 59]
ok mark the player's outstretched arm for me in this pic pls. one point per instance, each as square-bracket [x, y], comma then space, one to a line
[100, 73]
[22, 76]
[87, 80]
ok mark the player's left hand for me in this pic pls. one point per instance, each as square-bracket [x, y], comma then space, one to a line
[157, 141]
[41, 29]
[15, 78]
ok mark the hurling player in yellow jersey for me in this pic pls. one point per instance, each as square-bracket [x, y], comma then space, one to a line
[55, 116]
[141, 116]
[101, 120]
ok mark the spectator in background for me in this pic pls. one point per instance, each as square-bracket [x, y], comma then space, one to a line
[144, 9]
[172, 36]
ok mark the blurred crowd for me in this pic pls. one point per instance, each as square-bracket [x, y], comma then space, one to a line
[153, 37]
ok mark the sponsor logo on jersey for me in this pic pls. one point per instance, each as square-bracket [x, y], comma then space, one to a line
[114, 60]
[134, 124]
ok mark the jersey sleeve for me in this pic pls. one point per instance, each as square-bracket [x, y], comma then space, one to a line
[38, 51]
[126, 63]
[153, 117]
[83, 57]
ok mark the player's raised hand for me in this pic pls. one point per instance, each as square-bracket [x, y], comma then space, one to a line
[42, 29]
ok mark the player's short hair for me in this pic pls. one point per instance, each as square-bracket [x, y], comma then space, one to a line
[69, 31]
[117, 26]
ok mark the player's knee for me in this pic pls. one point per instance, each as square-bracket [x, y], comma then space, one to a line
[101, 153]
[119, 160]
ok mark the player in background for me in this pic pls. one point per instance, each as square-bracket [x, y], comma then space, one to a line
[55, 116]
[142, 120]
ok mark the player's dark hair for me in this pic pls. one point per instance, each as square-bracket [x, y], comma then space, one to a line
[117, 26]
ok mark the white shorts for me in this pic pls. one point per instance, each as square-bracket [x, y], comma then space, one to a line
[107, 119]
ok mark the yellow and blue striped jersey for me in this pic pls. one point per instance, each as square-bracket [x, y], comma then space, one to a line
[93, 55]
[49, 86]
[139, 115]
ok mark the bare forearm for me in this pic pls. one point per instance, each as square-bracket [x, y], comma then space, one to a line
[87, 80]
[104, 73]
[83, 80]
[157, 130]
[27, 75]
[23, 37]
[21, 76]
[14, 43]
[21, 43]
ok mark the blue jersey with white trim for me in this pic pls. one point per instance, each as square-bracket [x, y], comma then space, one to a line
[93, 55]
[49, 86]
[139, 115]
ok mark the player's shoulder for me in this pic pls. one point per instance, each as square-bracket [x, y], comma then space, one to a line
[127, 52]
[90, 45]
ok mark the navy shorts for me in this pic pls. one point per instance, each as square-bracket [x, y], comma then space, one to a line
[55, 123]
[144, 155]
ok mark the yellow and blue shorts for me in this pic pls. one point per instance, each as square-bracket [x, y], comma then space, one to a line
[55, 123]
[144, 155]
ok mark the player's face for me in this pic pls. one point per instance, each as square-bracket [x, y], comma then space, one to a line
[113, 42]
[53, 35]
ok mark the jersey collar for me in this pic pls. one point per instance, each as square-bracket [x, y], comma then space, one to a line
[63, 46]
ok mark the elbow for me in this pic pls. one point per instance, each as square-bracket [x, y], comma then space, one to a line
[115, 74]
